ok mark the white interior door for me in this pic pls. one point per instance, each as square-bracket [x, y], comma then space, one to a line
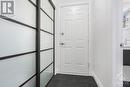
[74, 39]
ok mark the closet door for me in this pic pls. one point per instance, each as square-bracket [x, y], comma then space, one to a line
[17, 46]
[47, 42]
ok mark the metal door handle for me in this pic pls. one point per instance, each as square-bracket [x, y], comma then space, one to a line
[62, 44]
[122, 45]
[62, 33]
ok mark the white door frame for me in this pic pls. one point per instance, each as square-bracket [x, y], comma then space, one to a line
[58, 18]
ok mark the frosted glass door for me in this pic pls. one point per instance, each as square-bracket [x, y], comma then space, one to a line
[17, 46]
[18, 42]
[47, 43]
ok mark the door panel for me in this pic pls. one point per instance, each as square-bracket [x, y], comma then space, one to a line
[31, 83]
[10, 34]
[74, 39]
[46, 58]
[46, 6]
[46, 76]
[17, 70]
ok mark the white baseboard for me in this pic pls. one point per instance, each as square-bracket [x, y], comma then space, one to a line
[99, 83]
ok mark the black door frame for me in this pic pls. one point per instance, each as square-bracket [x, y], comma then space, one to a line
[38, 16]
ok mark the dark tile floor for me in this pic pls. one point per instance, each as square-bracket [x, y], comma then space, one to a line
[126, 84]
[62, 80]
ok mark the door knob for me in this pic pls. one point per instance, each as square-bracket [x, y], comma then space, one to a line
[62, 33]
[62, 44]
[122, 45]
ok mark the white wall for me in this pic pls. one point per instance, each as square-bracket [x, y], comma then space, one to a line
[117, 57]
[103, 42]
[108, 61]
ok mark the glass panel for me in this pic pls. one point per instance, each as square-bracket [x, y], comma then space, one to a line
[15, 38]
[46, 76]
[45, 5]
[31, 83]
[15, 71]
[46, 40]
[46, 23]
[24, 12]
[46, 58]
